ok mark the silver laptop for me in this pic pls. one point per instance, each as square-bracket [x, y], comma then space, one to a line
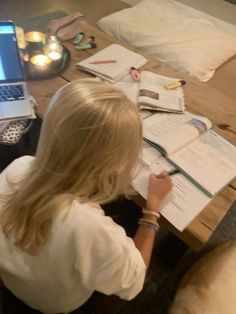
[14, 98]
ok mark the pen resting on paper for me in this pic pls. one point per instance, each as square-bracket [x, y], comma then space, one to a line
[103, 61]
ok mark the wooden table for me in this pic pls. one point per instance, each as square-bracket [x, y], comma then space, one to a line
[200, 98]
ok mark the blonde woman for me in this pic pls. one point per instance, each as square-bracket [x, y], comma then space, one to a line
[57, 246]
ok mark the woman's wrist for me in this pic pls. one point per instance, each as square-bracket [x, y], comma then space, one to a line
[150, 218]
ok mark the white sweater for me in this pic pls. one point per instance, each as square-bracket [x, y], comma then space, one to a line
[87, 251]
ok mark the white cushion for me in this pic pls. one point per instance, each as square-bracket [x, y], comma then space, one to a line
[165, 29]
[209, 286]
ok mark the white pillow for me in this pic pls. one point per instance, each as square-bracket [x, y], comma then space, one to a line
[165, 29]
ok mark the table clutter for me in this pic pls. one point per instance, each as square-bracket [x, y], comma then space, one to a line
[44, 54]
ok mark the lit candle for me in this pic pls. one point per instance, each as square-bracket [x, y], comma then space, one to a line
[35, 40]
[40, 61]
[53, 50]
[35, 37]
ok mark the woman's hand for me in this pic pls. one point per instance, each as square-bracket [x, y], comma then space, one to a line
[159, 186]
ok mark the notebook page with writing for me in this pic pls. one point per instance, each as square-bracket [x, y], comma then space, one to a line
[183, 203]
[125, 59]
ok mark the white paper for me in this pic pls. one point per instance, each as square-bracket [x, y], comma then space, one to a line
[112, 71]
[129, 88]
[209, 160]
[172, 131]
[183, 203]
[152, 93]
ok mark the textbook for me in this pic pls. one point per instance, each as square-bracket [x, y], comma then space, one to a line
[112, 62]
[190, 145]
[184, 202]
[153, 94]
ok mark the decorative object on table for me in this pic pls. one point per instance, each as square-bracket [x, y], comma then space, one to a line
[44, 55]
[68, 27]
[35, 40]
[53, 48]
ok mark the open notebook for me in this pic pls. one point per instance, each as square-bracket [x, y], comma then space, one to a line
[112, 72]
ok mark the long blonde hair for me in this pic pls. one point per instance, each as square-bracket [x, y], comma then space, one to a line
[89, 144]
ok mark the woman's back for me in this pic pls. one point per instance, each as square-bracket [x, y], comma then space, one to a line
[74, 261]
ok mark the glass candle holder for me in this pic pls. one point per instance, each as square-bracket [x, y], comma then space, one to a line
[35, 40]
[52, 39]
[54, 50]
[40, 61]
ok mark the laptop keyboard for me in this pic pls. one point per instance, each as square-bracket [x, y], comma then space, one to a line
[11, 92]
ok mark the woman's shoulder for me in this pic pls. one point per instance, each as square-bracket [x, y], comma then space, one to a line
[15, 171]
[19, 165]
[87, 218]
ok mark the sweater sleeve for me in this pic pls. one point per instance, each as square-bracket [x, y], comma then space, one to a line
[110, 263]
[14, 173]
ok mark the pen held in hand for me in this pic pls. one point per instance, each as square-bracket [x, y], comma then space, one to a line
[172, 172]
[169, 173]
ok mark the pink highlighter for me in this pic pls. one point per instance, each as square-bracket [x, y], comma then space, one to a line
[135, 74]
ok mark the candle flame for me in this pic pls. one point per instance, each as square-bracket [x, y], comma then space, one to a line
[40, 60]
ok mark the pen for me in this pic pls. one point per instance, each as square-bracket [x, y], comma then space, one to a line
[169, 173]
[103, 61]
[175, 84]
[135, 74]
[172, 172]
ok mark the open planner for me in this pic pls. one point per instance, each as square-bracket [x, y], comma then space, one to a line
[206, 161]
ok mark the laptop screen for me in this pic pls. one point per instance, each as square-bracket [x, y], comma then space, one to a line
[10, 63]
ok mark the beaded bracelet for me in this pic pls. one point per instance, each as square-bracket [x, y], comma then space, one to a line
[148, 223]
[151, 212]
